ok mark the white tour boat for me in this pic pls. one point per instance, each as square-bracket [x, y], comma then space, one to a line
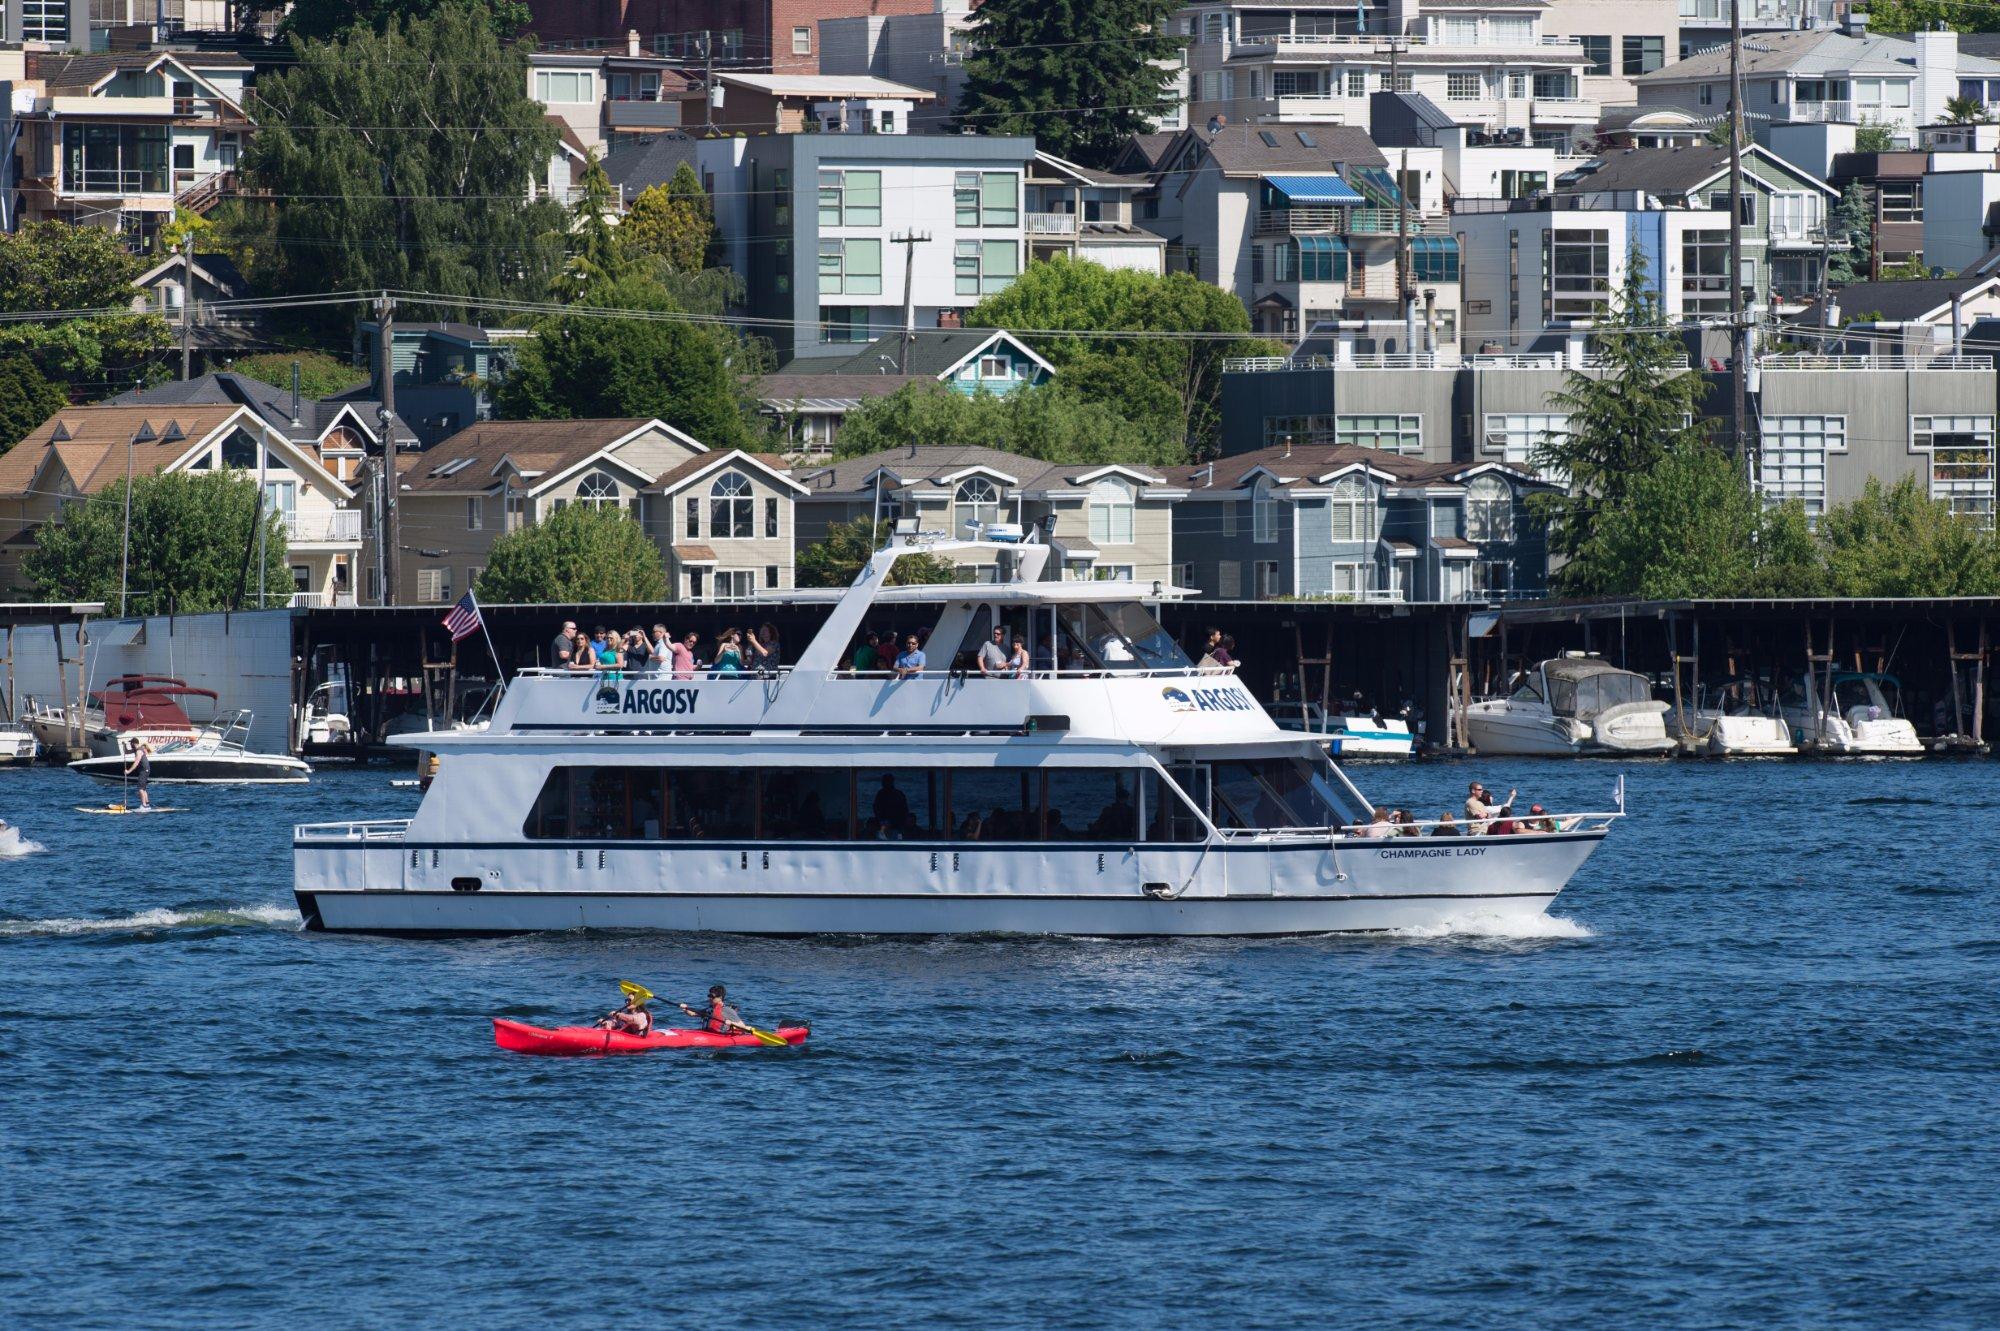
[1572, 704]
[1862, 718]
[1115, 790]
[1733, 718]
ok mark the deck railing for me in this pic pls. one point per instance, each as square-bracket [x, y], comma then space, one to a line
[375, 829]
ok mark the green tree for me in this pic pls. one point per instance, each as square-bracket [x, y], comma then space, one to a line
[323, 20]
[650, 362]
[1854, 222]
[1872, 136]
[1642, 404]
[1964, 111]
[1895, 540]
[27, 398]
[1690, 526]
[189, 534]
[1169, 384]
[1048, 423]
[320, 375]
[595, 254]
[1081, 76]
[1929, 15]
[50, 266]
[185, 225]
[577, 553]
[672, 223]
[1911, 269]
[401, 159]
[835, 561]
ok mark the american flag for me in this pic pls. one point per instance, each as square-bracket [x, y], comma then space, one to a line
[463, 621]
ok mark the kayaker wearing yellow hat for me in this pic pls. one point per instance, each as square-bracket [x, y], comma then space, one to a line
[633, 1019]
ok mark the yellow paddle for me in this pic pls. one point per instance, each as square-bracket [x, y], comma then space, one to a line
[763, 1037]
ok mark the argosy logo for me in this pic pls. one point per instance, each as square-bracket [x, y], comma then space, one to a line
[1207, 700]
[644, 701]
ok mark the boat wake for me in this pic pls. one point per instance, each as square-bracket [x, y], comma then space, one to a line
[13, 845]
[156, 921]
[1480, 924]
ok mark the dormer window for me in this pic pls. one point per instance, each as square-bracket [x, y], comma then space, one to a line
[730, 507]
[1489, 510]
[976, 502]
[1111, 511]
[597, 491]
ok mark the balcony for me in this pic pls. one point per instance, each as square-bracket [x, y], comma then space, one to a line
[1802, 235]
[1818, 113]
[1321, 110]
[1565, 110]
[341, 525]
[1330, 219]
[1295, 46]
[320, 600]
[112, 183]
[1060, 225]
[642, 115]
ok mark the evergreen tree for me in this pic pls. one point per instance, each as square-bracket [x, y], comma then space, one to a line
[672, 222]
[1080, 75]
[1854, 222]
[1642, 404]
[835, 561]
[596, 255]
[189, 531]
[321, 20]
[578, 553]
[402, 159]
[27, 398]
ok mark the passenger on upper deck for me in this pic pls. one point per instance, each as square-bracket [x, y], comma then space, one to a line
[911, 663]
[1379, 826]
[582, 656]
[866, 657]
[684, 663]
[564, 646]
[993, 661]
[1045, 655]
[1017, 660]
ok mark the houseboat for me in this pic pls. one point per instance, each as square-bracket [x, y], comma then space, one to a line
[1113, 788]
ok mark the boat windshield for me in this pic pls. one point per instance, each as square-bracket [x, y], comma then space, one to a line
[1120, 635]
[1527, 689]
[1589, 694]
[1271, 792]
[1867, 691]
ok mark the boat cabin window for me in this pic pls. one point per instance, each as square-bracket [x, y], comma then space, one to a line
[1867, 691]
[1268, 792]
[1094, 804]
[1119, 635]
[1587, 695]
[1527, 687]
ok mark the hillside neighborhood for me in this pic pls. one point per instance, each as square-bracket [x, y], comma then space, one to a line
[1410, 303]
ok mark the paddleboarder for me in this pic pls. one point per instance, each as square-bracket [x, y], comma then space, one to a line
[141, 770]
[633, 1018]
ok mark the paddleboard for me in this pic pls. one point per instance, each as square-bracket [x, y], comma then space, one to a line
[119, 808]
[410, 783]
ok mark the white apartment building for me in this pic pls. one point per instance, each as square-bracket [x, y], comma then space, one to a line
[1621, 38]
[924, 51]
[1531, 270]
[1488, 64]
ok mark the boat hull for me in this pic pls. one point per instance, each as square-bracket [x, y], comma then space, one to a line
[1509, 735]
[592, 1042]
[1355, 886]
[168, 769]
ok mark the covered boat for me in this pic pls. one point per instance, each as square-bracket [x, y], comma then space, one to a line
[1572, 704]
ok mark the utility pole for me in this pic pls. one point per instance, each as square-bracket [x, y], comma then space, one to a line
[1406, 293]
[144, 434]
[1739, 329]
[708, 80]
[187, 302]
[909, 240]
[385, 543]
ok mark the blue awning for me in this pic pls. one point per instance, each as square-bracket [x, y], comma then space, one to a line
[1314, 189]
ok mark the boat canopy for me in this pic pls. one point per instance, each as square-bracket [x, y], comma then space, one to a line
[1584, 686]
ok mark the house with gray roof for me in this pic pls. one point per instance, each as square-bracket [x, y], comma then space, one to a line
[1085, 213]
[1355, 524]
[339, 431]
[1105, 520]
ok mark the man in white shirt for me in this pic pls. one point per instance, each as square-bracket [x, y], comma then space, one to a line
[1379, 826]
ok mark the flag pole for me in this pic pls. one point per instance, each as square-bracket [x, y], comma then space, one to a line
[488, 635]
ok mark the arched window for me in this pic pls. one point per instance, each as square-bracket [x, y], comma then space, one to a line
[597, 491]
[1111, 512]
[976, 501]
[1489, 510]
[1264, 512]
[730, 507]
[1349, 510]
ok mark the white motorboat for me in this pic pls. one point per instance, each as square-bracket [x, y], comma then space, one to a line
[213, 755]
[1733, 718]
[1572, 704]
[1351, 734]
[1862, 717]
[18, 745]
[1124, 792]
[152, 707]
[326, 720]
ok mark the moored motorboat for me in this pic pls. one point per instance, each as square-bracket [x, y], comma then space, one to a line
[587, 1041]
[1351, 734]
[1113, 789]
[18, 745]
[1861, 717]
[1572, 704]
[1732, 718]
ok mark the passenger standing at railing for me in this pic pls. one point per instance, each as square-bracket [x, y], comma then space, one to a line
[609, 657]
[562, 650]
[729, 656]
[1019, 659]
[911, 663]
[582, 656]
[993, 662]
[683, 656]
[774, 647]
[663, 650]
[867, 658]
[638, 651]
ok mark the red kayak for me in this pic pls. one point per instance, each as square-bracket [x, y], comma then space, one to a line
[522, 1038]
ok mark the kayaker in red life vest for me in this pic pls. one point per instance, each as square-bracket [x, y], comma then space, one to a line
[720, 1017]
[633, 1019]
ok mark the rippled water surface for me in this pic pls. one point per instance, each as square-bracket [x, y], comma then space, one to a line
[1745, 1077]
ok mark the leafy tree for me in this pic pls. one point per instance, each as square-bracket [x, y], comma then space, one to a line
[1080, 75]
[1872, 136]
[1690, 526]
[1643, 404]
[837, 560]
[1911, 269]
[401, 159]
[1897, 541]
[48, 266]
[673, 223]
[27, 398]
[320, 375]
[185, 224]
[650, 363]
[1046, 422]
[1854, 222]
[1928, 15]
[578, 553]
[322, 20]
[189, 533]
[1170, 386]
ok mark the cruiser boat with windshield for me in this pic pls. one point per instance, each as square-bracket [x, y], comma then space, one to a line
[1114, 788]
[1733, 718]
[1863, 717]
[1572, 704]
[217, 754]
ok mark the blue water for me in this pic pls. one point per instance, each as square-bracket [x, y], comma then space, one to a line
[1746, 1077]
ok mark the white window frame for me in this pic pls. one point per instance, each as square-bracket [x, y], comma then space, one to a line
[1970, 495]
[1347, 512]
[1522, 433]
[475, 513]
[1264, 580]
[732, 508]
[598, 491]
[434, 585]
[802, 41]
[579, 80]
[1489, 509]
[1355, 574]
[1264, 512]
[1368, 431]
[975, 499]
[1792, 458]
[1113, 506]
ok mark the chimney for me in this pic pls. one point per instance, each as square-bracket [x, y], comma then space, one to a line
[1575, 338]
[631, 41]
[295, 395]
[1937, 75]
[1855, 25]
